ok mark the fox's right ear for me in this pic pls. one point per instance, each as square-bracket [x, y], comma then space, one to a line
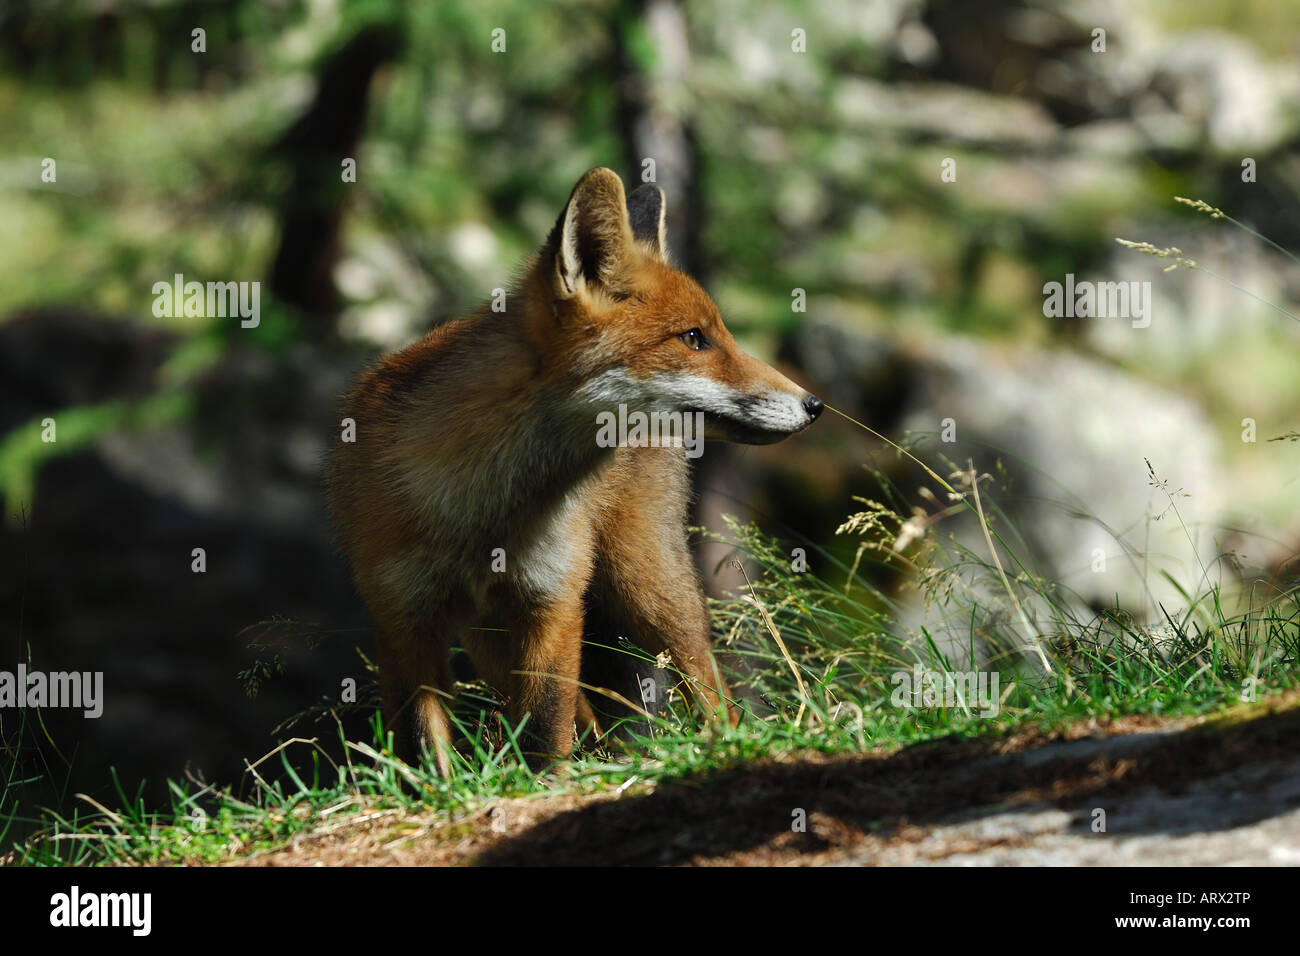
[645, 209]
[592, 240]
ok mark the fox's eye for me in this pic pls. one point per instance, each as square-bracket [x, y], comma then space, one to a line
[694, 340]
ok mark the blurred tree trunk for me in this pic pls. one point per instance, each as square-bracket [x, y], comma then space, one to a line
[315, 147]
[654, 105]
[652, 63]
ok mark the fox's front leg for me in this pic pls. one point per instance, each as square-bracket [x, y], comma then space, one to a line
[687, 639]
[646, 584]
[491, 651]
[655, 598]
[547, 644]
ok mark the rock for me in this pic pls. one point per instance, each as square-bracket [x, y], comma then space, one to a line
[1067, 440]
[946, 111]
[1241, 103]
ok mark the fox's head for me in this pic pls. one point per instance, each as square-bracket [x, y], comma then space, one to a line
[633, 330]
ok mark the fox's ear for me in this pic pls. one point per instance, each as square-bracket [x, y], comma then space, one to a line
[645, 209]
[593, 239]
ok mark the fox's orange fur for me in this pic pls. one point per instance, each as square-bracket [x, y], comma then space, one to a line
[482, 436]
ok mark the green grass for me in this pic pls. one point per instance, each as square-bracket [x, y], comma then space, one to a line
[813, 658]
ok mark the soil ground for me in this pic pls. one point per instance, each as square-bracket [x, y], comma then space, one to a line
[1135, 791]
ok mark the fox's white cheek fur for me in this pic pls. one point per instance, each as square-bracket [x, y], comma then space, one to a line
[770, 410]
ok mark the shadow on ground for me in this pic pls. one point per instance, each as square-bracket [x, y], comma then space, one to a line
[745, 815]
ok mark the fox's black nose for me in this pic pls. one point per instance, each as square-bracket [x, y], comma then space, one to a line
[813, 406]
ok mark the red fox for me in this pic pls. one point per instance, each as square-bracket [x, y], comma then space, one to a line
[477, 501]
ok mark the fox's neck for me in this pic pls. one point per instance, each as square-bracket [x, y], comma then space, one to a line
[544, 445]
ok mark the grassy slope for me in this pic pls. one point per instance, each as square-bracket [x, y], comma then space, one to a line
[819, 666]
